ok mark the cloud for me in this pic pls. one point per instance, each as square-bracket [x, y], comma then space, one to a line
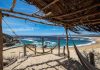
[21, 29]
[55, 29]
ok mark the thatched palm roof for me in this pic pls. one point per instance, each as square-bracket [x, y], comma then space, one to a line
[72, 14]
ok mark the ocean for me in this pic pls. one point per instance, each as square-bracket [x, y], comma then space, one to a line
[53, 41]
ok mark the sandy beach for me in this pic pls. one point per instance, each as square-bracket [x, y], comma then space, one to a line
[45, 61]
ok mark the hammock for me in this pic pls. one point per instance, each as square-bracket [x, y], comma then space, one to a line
[84, 62]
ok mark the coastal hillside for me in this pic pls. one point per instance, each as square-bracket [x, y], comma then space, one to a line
[8, 40]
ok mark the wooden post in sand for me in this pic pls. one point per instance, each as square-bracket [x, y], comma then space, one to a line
[43, 44]
[58, 46]
[35, 49]
[67, 43]
[51, 51]
[24, 50]
[92, 61]
[64, 50]
[1, 43]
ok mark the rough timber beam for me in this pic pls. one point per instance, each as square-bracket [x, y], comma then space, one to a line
[86, 16]
[82, 23]
[1, 43]
[13, 5]
[86, 22]
[69, 14]
[9, 15]
[49, 5]
[21, 13]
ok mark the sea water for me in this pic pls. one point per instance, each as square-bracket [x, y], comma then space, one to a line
[53, 41]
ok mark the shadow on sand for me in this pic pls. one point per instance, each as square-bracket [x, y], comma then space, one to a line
[66, 65]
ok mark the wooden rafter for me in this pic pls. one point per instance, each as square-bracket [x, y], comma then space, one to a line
[6, 10]
[86, 16]
[13, 5]
[20, 13]
[10, 15]
[69, 14]
[48, 5]
[82, 23]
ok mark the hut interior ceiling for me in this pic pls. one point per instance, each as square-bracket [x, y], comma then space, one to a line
[67, 13]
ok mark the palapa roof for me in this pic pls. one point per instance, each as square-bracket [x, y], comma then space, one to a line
[72, 14]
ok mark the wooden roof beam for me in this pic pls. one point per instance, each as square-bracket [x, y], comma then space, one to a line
[87, 23]
[48, 5]
[14, 16]
[69, 14]
[81, 23]
[21, 13]
[95, 20]
[13, 5]
[86, 16]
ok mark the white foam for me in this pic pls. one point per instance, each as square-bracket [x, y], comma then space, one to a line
[90, 43]
[89, 39]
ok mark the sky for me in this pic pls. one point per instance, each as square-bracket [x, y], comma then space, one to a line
[24, 27]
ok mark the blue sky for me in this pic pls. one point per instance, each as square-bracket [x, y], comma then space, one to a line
[23, 27]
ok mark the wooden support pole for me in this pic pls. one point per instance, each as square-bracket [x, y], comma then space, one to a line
[35, 49]
[24, 50]
[58, 46]
[64, 50]
[67, 43]
[1, 43]
[43, 44]
[92, 61]
[51, 51]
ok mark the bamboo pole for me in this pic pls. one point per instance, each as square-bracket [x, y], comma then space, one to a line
[1, 43]
[67, 43]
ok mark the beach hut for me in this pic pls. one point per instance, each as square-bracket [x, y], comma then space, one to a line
[70, 14]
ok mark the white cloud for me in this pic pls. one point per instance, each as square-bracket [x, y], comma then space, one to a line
[54, 29]
[21, 29]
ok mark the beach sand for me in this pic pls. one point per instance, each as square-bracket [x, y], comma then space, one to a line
[45, 61]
